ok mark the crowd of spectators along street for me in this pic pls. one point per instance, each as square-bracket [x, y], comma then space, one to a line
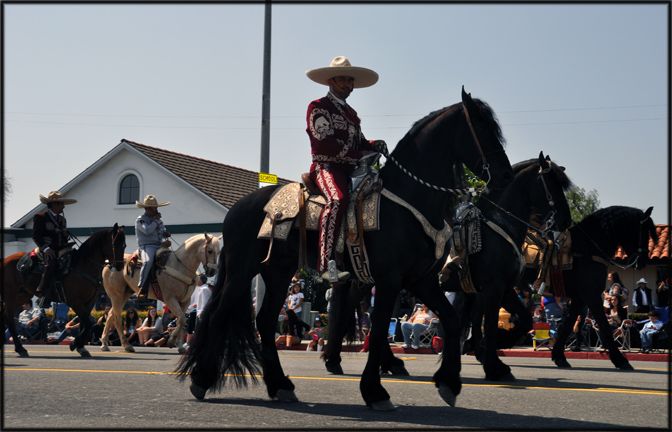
[154, 330]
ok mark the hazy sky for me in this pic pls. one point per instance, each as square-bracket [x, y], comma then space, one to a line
[587, 84]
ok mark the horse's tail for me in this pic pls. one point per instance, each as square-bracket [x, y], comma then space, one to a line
[224, 344]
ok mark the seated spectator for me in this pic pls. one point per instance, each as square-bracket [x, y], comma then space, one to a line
[316, 335]
[29, 321]
[71, 329]
[151, 328]
[169, 325]
[617, 313]
[131, 323]
[415, 326]
[651, 327]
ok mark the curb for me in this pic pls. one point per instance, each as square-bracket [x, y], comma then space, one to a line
[513, 352]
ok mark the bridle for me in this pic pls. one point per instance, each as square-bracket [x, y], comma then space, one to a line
[459, 192]
[549, 221]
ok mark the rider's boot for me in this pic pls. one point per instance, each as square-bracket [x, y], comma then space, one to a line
[142, 295]
[333, 274]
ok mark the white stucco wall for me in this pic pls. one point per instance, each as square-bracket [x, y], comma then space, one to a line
[97, 197]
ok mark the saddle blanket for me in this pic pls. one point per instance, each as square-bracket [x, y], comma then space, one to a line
[284, 204]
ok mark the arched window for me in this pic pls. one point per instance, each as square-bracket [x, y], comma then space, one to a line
[129, 189]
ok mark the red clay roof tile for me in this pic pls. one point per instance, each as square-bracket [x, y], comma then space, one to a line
[225, 184]
[657, 251]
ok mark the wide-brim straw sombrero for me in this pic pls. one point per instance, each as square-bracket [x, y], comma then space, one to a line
[56, 196]
[340, 66]
[150, 201]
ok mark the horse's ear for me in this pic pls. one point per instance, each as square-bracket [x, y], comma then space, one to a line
[541, 159]
[207, 238]
[466, 97]
[562, 167]
[115, 228]
[648, 211]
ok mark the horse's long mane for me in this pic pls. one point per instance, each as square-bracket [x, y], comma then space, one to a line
[89, 245]
[532, 165]
[430, 121]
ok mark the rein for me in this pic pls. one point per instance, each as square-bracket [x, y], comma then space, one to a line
[550, 220]
[458, 192]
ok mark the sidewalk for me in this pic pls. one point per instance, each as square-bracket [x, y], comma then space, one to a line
[633, 355]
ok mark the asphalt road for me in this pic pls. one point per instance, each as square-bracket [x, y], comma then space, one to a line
[55, 388]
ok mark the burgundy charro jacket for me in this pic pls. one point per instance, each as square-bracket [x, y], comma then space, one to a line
[335, 133]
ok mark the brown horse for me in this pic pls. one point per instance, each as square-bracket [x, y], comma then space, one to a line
[79, 284]
[176, 282]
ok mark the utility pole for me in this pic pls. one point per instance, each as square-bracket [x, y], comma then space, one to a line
[266, 93]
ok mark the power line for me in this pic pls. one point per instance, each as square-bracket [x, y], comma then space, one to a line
[293, 128]
[256, 116]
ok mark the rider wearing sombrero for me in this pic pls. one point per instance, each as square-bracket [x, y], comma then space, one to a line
[51, 236]
[337, 144]
[151, 232]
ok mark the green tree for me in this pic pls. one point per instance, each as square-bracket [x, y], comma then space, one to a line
[582, 203]
[7, 186]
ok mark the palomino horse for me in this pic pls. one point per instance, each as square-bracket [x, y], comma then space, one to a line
[79, 284]
[176, 282]
[403, 253]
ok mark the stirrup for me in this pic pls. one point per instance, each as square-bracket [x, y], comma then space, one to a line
[333, 274]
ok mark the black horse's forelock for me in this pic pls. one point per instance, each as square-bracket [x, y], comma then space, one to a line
[532, 164]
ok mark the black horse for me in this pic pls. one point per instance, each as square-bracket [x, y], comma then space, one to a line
[80, 284]
[401, 254]
[594, 242]
[537, 195]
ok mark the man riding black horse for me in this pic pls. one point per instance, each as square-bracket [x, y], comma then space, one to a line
[51, 236]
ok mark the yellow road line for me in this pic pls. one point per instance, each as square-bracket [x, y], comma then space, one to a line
[356, 379]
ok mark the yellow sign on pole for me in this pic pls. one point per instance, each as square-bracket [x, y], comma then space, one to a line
[268, 178]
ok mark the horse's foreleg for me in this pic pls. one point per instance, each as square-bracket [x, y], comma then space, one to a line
[447, 377]
[375, 396]
[11, 325]
[558, 354]
[494, 368]
[84, 314]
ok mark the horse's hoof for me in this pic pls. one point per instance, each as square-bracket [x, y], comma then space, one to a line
[447, 395]
[129, 348]
[104, 348]
[23, 353]
[72, 346]
[197, 391]
[286, 396]
[384, 405]
[626, 367]
[508, 376]
[398, 370]
[562, 363]
[335, 369]
[83, 352]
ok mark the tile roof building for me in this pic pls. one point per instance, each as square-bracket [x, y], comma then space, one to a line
[201, 192]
